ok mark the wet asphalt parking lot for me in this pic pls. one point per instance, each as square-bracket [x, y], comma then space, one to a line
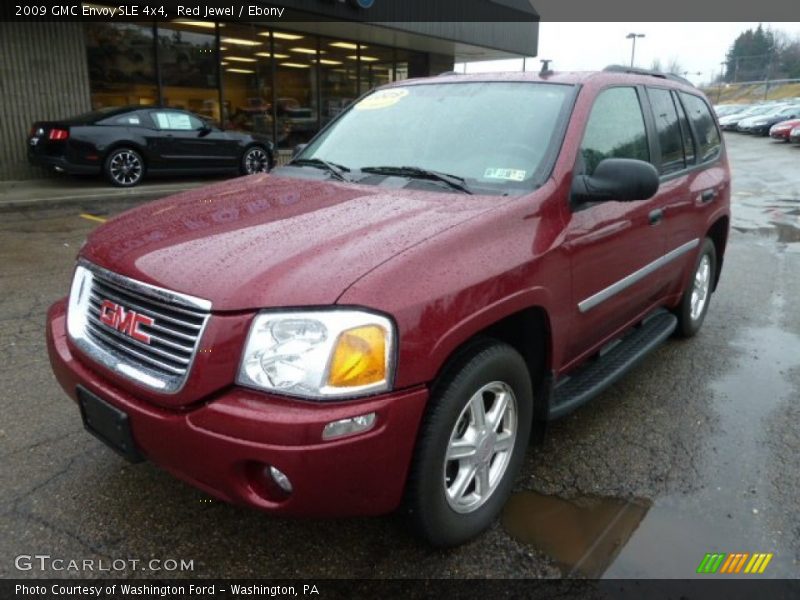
[696, 451]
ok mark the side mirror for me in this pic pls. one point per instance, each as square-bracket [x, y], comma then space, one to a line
[205, 130]
[298, 149]
[622, 179]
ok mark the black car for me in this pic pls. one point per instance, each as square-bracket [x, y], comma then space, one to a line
[125, 143]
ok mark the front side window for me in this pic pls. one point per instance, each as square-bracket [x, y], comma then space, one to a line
[494, 135]
[669, 130]
[174, 120]
[615, 129]
[708, 141]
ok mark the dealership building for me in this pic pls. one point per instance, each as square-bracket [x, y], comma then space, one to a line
[282, 78]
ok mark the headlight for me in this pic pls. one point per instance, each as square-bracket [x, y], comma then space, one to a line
[319, 354]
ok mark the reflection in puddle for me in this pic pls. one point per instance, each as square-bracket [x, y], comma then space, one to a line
[583, 535]
[767, 217]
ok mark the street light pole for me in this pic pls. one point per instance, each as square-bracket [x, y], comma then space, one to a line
[632, 37]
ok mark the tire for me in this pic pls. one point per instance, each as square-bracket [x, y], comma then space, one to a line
[254, 160]
[692, 310]
[437, 510]
[124, 167]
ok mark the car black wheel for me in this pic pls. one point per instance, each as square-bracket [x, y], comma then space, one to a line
[472, 443]
[124, 167]
[255, 160]
[694, 305]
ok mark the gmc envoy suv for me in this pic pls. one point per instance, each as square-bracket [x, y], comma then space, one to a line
[383, 322]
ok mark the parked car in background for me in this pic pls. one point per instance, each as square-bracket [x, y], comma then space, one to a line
[783, 129]
[127, 143]
[761, 124]
[730, 122]
[724, 110]
[393, 311]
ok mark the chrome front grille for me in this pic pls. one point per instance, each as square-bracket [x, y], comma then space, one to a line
[146, 333]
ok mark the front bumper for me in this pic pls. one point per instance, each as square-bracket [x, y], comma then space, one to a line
[780, 134]
[224, 444]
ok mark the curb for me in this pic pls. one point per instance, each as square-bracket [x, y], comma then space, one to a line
[92, 196]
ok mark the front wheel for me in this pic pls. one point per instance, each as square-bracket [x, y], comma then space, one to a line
[124, 167]
[694, 305]
[255, 160]
[471, 446]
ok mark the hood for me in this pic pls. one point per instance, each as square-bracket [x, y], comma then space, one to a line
[790, 124]
[270, 241]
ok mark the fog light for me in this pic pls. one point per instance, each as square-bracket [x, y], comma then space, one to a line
[281, 479]
[349, 426]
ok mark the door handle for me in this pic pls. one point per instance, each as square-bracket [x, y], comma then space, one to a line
[655, 216]
[708, 196]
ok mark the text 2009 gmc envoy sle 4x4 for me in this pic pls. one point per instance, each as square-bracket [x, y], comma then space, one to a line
[383, 321]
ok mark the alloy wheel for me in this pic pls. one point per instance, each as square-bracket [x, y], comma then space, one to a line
[256, 161]
[125, 168]
[700, 287]
[480, 447]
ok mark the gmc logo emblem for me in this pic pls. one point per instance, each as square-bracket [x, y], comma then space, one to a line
[126, 321]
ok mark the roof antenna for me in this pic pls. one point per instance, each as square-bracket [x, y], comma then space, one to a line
[545, 70]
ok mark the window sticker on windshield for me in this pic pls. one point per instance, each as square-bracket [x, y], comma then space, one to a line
[505, 174]
[382, 99]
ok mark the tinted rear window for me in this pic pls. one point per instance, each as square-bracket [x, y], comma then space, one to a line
[708, 141]
[669, 130]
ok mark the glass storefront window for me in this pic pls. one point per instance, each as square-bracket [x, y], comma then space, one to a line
[121, 60]
[338, 76]
[279, 83]
[377, 66]
[187, 60]
[246, 68]
[296, 102]
[410, 64]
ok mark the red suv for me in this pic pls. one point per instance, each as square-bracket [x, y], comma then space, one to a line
[381, 322]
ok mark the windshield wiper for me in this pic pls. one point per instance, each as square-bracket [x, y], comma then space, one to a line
[336, 171]
[453, 181]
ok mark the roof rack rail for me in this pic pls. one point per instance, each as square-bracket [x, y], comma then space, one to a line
[651, 73]
[446, 73]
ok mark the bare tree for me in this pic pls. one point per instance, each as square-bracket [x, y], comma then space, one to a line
[674, 66]
[655, 65]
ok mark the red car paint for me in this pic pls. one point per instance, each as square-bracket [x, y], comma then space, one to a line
[782, 130]
[444, 267]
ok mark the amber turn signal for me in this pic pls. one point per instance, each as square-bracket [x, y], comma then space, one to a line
[359, 357]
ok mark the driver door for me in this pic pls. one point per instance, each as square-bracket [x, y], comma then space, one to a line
[186, 142]
[613, 245]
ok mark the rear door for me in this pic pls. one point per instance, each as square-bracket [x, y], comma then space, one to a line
[614, 246]
[693, 181]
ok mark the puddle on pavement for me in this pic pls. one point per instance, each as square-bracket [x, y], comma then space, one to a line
[734, 510]
[779, 216]
[583, 536]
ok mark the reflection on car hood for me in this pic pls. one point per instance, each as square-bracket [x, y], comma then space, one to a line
[264, 240]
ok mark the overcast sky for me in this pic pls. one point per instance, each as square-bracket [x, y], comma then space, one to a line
[592, 46]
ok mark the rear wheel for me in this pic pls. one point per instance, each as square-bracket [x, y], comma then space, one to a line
[124, 167]
[694, 304]
[471, 446]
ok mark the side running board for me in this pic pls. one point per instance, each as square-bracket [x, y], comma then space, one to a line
[609, 366]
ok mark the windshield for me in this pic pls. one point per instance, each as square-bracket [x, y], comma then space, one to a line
[492, 135]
